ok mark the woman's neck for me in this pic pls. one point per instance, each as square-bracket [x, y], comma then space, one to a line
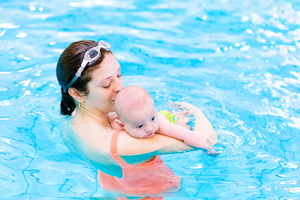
[93, 115]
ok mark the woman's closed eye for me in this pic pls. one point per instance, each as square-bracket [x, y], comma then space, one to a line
[106, 86]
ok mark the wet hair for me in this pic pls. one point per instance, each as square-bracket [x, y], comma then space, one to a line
[129, 99]
[68, 64]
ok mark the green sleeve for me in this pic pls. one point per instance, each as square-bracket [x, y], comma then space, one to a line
[173, 119]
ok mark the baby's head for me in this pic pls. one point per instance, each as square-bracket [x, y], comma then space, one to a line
[136, 112]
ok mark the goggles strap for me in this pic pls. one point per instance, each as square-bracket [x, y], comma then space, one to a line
[83, 65]
[69, 85]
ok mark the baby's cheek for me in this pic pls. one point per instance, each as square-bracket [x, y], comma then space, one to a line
[157, 127]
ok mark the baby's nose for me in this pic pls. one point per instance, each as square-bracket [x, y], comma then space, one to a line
[148, 128]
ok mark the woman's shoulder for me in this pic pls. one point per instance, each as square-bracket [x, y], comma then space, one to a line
[88, 131]
[95, 134]
[88, 147]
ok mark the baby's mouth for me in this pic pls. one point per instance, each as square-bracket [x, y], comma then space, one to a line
[150, 134]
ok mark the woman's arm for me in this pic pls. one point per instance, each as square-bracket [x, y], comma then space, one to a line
[156, 145]
[100, 138]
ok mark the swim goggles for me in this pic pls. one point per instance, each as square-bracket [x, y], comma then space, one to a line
[90, 57]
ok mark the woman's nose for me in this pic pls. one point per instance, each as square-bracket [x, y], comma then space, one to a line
[119, 85]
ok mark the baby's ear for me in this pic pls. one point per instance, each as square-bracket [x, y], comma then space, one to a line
[118, 121]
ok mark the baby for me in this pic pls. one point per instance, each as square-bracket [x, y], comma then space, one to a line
[136, 114]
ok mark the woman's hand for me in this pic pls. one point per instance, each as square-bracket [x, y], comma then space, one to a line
[188, 108]
[183, 119]
[202, 125]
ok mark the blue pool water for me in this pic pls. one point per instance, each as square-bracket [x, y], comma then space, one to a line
[236, 60]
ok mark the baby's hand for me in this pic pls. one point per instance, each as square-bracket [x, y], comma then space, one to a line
[211, 152]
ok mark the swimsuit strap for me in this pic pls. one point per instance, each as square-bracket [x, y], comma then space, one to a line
[115, 155]
[114, 150]
[114, 140]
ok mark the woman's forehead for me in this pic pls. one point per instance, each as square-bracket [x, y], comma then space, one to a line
[109, 67]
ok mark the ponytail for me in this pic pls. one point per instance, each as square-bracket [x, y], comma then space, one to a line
[67, 105]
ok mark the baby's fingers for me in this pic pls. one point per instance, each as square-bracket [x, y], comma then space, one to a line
[211, 152]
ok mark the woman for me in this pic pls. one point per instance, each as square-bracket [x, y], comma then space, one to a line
[89, 73]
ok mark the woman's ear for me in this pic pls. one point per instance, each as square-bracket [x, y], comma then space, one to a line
[78, 96]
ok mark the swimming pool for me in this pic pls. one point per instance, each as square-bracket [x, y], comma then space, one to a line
[236, 60]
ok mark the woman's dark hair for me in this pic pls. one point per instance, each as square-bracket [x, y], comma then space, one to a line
[68, 64]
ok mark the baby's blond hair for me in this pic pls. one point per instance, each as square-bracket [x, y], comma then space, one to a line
[129, 99]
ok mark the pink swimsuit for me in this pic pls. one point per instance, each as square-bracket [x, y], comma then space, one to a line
[152, 178]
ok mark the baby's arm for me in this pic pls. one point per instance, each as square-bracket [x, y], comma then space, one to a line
[187, 136]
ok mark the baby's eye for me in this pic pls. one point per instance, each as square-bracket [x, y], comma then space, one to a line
[140, 126]
[153, 118]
